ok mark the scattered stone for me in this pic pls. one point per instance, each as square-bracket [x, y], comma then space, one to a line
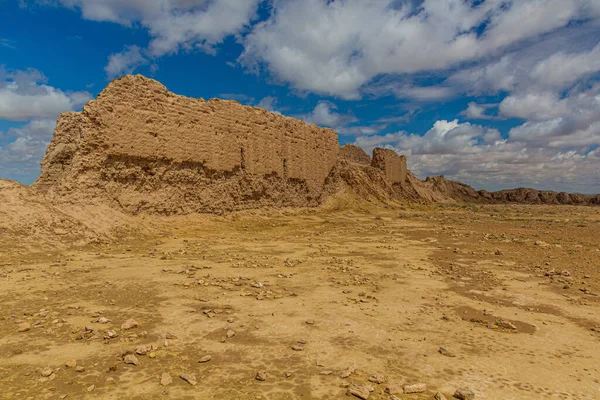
[261, 376]
[394, 397]
[361, 392]
[110, 381]
[377, 378]
[230, 334]
[310, 321]
[130, 359]
[103, 320]
[415, 388]
[91, 388]
[129, 324]
[189, 378]
[46, 372]
[498, 252]
[79, 369]
[445, 352]
[346, 373]
[24, 327]
[297, 347]
[464, 394]
[288, 374]
[71, 364]
[326, 372]
[111, 334]
[165, 379]
[205, 359]
[142, 350]
[439, 396]
[171, 336]
[394, 388]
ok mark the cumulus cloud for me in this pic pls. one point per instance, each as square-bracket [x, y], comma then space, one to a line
[336, 48]
[269, 103]
[173, 25]
[481, 157]
[25, 147]
[25, 95]
[477, 111]
[125, 62]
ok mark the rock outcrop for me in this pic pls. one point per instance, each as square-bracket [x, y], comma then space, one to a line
[146, 149]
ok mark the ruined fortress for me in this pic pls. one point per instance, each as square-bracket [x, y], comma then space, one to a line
[147, 149]
[140, 148]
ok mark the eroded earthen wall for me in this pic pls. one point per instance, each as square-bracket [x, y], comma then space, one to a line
[146, 148]
[391, 163]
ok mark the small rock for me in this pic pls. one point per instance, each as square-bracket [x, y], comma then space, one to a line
[103, 320]
[310, 321]
[79, 369]
[230, 334]
[205, 359]
[261, 376]
[415, 388]
[129, 324]
[189, 378]
[111, 334]
[358, 391]
[464, 394]
[46, 372]
[394, 397]
[445, 352]
[130, 359]
[142, 350]
[394, 388]
[377, 378]
[345, 373]
[288, 374]
[297, 347]
[24, 327]
[326, 372]
[171, 336]
[439, 396]
[165, 379]
[71, 364]
[91, 388]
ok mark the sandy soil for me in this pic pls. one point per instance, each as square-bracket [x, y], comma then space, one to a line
[315, 301]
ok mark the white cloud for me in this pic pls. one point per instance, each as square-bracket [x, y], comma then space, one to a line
[337, 48]
[269, 103]
[325, 114]
[174, 24]
[125, 62]
[25, 95]
[20, 157]
[477, 111]
[480, 157]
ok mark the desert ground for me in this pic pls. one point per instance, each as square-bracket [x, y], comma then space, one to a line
[498, 300]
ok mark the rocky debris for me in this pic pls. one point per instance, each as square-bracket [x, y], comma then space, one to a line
[205, 358]
[230, 334]
[346, 373]
[445, 352]
[189, 378]
[103, 320]
[91, 388]
[129, 324]
[71, 364]
[439, 396]
[166, 379]
[464, 394]
[362, 392]
[130, 359]
[310, 321]
[297, 347]
[46, 372]
[414, 388]
[377, 378]
[394, 388]
[79, 369]
[170, 336]
[111, 334]
[261, 376]
[326, 372]
[24, 327]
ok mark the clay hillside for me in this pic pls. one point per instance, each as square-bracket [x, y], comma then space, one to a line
[140, 148]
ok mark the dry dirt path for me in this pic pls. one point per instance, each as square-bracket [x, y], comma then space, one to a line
[317, 303]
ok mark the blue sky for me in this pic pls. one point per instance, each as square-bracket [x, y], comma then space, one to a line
[495, 93]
